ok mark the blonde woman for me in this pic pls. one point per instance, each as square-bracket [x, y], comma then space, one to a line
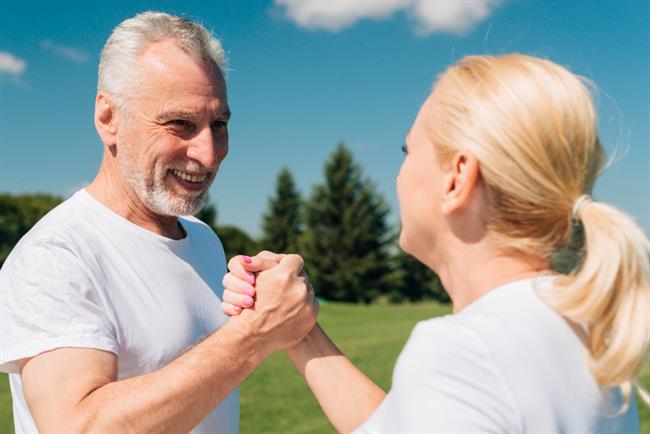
[499, 167]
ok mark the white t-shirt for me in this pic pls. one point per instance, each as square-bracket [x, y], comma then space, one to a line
[84, 276]
[507, 363]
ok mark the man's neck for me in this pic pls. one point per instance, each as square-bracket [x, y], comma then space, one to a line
[114, 193]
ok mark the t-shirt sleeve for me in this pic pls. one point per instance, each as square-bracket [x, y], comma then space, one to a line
[48, 301]
[445, 381]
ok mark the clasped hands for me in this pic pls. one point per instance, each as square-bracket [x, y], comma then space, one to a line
[272, 293]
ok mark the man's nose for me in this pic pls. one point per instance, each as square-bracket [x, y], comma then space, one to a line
[205, 148]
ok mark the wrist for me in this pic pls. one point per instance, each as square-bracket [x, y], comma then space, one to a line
[249, 338]
[306, 344]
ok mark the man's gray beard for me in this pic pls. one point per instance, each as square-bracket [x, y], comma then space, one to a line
[153, 194]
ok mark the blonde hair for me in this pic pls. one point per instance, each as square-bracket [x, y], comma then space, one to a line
[532, 125]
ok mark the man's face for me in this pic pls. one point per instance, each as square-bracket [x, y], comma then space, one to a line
[173, 134]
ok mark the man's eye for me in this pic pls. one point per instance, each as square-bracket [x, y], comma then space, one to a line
[181, 123]
[405, 149]
[219, 125]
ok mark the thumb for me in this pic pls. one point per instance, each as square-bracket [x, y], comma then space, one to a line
[293, 263]
[257, 263]
[267, 254]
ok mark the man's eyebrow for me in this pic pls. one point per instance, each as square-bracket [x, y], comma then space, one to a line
[190, 116]
[177, 114]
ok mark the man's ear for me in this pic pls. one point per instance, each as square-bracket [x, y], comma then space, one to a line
[106, 119]
[460, 182]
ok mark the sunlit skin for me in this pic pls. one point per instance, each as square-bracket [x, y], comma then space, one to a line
[444, 212]
[178, 115]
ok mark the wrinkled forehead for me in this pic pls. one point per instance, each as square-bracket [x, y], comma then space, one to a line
[167, 70]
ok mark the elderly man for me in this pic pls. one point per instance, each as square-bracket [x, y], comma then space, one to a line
[110, 304]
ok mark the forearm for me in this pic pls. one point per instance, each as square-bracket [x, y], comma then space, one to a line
[346, 395]
[176, 397]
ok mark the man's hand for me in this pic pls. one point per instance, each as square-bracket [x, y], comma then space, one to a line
[285, 309]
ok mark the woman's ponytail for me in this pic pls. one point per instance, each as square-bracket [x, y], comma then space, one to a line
[609, 294]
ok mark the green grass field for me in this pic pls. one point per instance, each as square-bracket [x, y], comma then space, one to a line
[275, 400]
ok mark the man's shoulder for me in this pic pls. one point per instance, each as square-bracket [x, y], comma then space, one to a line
[58, 229]
[198, 229]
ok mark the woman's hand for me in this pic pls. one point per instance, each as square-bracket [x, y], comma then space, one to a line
[239, 283]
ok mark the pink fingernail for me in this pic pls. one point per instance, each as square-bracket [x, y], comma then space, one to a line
[237, 309]
[250, 279]
[247, 259]
[248, 302]
[250, 291]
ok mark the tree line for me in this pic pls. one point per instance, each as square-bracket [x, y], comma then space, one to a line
[341, 230]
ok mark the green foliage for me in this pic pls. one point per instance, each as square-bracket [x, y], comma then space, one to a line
[18, 214]
[281, 224]
[567, 258]
[236, 241]
[346, 236]
[415, 281]
[6, 412]
[208, 214]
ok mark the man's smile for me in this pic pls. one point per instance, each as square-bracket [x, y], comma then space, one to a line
[196, 178]
[193, 182]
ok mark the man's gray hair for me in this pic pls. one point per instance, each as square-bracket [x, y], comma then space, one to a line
[118, 62]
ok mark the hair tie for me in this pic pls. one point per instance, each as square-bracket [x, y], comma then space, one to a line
[580, 205]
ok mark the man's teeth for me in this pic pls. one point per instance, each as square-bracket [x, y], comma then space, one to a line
[188, 177]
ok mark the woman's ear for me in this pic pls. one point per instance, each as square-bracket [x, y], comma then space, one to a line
[105, 119]
[460, 182]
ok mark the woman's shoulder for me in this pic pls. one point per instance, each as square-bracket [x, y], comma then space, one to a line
[446, 339]
[447, 373]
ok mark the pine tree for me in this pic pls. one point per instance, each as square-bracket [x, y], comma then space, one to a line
[281, 225]
[346, 235]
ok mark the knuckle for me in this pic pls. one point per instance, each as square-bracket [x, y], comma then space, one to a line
[300, 262]
[225, 308]
[233, 262]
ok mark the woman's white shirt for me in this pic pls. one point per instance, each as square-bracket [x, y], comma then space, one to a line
[507, 363]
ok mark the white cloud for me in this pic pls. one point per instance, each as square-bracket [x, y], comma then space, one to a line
[452, 16]
[449, 16]
[69, 53]
[334, 15]
[11, 64]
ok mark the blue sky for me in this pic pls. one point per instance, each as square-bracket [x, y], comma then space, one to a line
[305, 75]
